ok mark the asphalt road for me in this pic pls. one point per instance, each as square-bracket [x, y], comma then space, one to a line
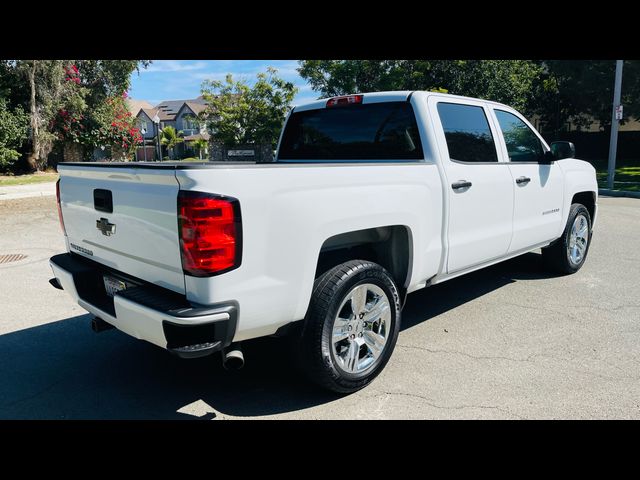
[510, 341]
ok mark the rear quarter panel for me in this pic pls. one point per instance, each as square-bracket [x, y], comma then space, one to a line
[288, 211]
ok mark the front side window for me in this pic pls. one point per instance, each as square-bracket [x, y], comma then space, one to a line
[467, 131]
[375, 131]
[523, 145]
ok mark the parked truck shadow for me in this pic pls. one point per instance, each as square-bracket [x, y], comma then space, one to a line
[62, 370]
[430, 302]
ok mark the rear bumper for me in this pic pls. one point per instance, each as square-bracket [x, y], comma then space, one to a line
[148, 312]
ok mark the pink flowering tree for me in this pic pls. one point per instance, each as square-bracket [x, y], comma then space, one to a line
[109, 124]
[114, 125]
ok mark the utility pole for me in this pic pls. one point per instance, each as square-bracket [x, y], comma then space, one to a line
[615, 120]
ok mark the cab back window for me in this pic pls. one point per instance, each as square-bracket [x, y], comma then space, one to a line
[376, 131]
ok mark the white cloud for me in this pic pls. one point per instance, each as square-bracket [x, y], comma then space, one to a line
[174, 66]
[213, 75]
[183, 78]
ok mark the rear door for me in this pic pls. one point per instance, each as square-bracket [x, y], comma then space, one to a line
[125, 218]
[478, 183]
[538, 186]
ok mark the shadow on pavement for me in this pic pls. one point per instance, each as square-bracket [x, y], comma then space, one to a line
[430, 302]
[62, 370]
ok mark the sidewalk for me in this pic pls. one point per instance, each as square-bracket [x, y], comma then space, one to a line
[26, 191]
[618, 193]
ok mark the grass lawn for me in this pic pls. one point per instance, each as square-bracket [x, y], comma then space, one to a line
[7, 180]
[626, 178]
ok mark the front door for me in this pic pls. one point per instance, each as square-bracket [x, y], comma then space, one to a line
[479, 186]
[537, 215]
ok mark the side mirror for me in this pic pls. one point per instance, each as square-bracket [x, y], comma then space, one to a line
[548, 158]
[562, 150]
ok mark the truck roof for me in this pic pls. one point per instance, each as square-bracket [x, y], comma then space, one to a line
[388, 96]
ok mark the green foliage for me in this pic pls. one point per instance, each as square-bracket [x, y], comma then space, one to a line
[581, 91]
[102, 116]
[506, 81]
[113, 124]
[64, 99]
[170, 137]
[107, 78]
[13, 132]
[200, 144]
[239, 113]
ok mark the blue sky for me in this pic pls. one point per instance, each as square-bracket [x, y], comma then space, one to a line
[181, 79]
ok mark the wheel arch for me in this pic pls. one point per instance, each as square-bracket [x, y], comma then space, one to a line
[390, 246]
[588, 199]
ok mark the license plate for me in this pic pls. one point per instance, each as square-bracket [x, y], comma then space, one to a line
[112, 285]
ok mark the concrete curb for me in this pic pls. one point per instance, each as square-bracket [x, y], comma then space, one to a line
[618, 193]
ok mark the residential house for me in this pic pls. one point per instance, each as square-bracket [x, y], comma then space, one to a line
[179, 114]
[135, 106]
[191, 127]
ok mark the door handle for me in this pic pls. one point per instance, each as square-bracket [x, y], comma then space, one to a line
[522, 180]
[461, 184]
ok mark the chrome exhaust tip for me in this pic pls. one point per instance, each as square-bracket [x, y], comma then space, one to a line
[232, 357]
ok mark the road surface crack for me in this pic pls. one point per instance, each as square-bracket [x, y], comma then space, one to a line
[528, 359]
[430, 402]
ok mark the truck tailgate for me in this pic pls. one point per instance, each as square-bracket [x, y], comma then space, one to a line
[139, 234]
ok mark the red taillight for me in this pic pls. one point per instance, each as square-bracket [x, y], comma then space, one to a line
[210, 233]
[64, 230]
[345, 100]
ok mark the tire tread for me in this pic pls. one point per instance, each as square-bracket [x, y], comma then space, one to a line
[323, 295]
[555, 255]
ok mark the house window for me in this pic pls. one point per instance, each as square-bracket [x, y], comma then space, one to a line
[144, 125]
[189, 122]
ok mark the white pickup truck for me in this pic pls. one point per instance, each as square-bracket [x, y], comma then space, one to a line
[370, 197]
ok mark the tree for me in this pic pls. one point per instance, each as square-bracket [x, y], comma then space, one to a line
[45, 88]
[582, 91]
[104, 119]
[107, 78]
[112, 124]
[506, 81]
[170, 138]
[44, 79]
[201, 144]
[239, 113]
[13, 132]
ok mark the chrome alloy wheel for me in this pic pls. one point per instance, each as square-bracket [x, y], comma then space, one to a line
[578, 240]
[361, 328]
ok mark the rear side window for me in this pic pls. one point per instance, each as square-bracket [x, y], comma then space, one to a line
[467, 131]
[375, 131]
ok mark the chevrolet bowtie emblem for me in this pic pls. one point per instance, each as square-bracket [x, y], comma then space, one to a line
[105, 227]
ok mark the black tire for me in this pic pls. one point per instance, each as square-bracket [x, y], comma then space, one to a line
[556, 256]
[314, 348]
